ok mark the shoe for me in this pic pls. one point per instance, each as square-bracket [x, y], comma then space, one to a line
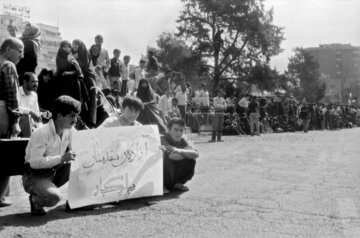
[180, 187]
[36, 210]
[5, 203]
[220, 140]
[67, 207]
[165, 191]
[211, 141]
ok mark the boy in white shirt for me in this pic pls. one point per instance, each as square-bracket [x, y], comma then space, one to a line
[48, 154]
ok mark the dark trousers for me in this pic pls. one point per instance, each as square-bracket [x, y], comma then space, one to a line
[43, 184]
[305, 123]
[178, 171]
[217, 125]
[182, 109]
[124, 88]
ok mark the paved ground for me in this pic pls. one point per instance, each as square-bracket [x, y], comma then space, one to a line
[276, 185]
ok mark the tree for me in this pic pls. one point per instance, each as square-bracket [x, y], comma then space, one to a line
[232, 35]
[304, 69]
[263, 76]
[174, 52]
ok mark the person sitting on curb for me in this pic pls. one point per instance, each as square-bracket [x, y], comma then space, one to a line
[179, 157]
[48, 154]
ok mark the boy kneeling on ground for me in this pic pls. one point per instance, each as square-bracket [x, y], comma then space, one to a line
[179, 157]
[48, 154]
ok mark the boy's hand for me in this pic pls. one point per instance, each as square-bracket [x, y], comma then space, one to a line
[68, 156]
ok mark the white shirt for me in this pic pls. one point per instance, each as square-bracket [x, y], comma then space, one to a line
[104, 59]
[45, 147]
[164, 104]
[204, 98]
[125, 72]
[139, 73]
[182, 98]
[29, 102]
[219, 103]
[244, 102]
[114, 121]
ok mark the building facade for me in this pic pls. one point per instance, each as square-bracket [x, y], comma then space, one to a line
[50, 38]
[340, 70]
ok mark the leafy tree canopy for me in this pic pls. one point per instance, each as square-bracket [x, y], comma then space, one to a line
[231, 34]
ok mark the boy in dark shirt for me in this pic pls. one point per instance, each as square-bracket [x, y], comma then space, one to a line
[115, 68]
[179, 157]
[254, 115]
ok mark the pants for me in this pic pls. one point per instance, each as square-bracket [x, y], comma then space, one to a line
[4, 131]
[43, 184]
[179, 171]
[182, 109]
[217, 125]
[254, 119]
[305, 123]
[124, 88]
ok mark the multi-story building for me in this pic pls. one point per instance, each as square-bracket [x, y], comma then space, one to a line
[340, 70]
[50, 35]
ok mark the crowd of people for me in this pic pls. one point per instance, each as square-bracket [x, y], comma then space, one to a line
[88, 90]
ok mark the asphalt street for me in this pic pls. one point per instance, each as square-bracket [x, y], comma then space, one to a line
[273, 185]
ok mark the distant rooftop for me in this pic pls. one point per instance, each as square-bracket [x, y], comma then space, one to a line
[335, 46]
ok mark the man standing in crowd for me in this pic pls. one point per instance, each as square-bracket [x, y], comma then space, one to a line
[204, 96]
[219, 109]
[181, 96]
[103, 60]
[254, 115]
[48, 154]
[152, 65]
[11, 51]
[125, 73]
[305, 115]
[29, 105]
[139, 73]
[165, 104]
[244, 103]
[179, 157]
[115, 67]
[162, 82]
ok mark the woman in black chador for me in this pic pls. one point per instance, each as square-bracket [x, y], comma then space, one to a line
[69, 78]
[150, 115]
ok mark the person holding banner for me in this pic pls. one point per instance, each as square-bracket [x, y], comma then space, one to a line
[48, 154]
[179, 157]
[131, 108]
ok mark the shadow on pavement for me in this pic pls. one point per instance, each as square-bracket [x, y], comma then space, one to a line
[59, 213]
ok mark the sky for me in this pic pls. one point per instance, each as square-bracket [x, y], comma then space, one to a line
[132, 25]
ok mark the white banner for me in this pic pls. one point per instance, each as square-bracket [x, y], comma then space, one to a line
[114, 164]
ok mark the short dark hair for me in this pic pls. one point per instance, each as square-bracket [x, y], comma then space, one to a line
[8, 42]
[177, 121]
[174, 100]
[116, 51]
[133, 103]
[64, 105]
[99, 37]
[45, 71]
[27, 76]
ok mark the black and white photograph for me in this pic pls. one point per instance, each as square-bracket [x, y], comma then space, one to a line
[180, 118]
